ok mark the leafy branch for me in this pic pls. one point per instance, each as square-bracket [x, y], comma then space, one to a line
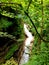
[29, 19]
[29, 4]
[34, 25]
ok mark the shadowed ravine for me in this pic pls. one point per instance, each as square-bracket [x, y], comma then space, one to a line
[27, 42]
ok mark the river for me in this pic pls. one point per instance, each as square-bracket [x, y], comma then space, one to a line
[29, 39]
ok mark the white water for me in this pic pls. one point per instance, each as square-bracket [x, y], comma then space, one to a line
[28, 40]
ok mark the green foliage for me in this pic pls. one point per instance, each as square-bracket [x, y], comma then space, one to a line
[18, 28]
[40, 57]
[12, 23]
[14, 13]
[12, 49]
[4, 23]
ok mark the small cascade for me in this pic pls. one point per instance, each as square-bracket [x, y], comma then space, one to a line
[29, 39]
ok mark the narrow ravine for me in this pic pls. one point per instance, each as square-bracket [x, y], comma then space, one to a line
[27, 42]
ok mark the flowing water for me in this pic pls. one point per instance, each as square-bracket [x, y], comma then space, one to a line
[28, 41]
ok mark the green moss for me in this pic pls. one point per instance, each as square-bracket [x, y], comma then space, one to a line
[11, 61]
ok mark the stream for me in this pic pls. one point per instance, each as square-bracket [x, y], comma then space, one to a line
[29, 39]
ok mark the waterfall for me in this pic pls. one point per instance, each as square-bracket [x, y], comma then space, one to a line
[27, 42]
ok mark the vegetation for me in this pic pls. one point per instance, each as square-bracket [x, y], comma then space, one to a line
[36, 14]
[11, 31]
[11, 61]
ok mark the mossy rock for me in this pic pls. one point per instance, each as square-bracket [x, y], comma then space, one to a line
[11, 61]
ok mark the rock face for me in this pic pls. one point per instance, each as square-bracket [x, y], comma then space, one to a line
[8, 46]
[5, 45]
[11, 29]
